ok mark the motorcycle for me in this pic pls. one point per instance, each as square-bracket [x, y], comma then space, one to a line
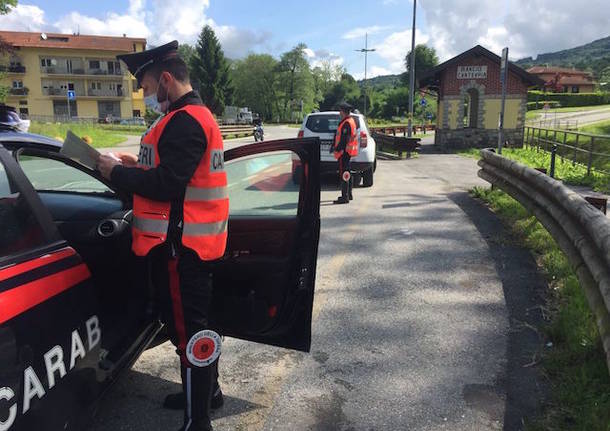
[259, 134]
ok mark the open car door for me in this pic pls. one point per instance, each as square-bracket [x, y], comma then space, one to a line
[264, 286]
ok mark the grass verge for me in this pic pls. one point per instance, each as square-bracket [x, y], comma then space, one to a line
[601, 128]
[101, 136]
[538, 112]
[574, 364]
[565, 171]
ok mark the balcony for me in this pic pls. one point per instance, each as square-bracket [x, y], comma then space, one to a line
[13, 68]
[105, 93]
[56, 91]
[102, 72]
[19, 91]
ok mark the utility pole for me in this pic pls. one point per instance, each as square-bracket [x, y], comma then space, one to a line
[366, 51]
[412, 73]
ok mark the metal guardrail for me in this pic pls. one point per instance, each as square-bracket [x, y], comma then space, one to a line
[400, 144]
[236, 130]
[581, 231]
[393, 130]
[582, 148]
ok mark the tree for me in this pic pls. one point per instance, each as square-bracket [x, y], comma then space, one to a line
[5, 48]
[187, 52]
[295, 82]
[210, 71]
[345, 89]
[324, 76]
[6, 5]
[425, 59]
[254, 79]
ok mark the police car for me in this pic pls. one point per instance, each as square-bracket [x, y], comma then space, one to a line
[77, 307]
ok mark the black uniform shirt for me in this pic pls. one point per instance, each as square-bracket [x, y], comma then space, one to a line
[346, 133]
[181, 147]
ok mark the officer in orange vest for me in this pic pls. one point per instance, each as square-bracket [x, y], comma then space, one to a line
[180, 214]
[344, 148]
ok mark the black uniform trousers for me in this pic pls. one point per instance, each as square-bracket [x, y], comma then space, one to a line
[344, 166]
[184, 286]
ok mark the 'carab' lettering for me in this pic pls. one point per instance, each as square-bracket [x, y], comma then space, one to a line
[55, 368]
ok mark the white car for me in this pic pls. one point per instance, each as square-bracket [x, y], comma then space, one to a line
[324, 125]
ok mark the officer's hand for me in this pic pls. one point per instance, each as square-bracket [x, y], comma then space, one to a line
[105, 164]
[127, 159]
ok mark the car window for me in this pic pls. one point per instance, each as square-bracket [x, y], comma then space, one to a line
[326, 123]
[53, 175]
[262, 185]
[19, 229]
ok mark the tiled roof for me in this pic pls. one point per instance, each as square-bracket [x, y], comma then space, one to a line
[575, 80]
[539, 70]
[57, 40]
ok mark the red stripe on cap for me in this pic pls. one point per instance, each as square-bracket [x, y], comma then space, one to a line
[20, 299]
[12, 271]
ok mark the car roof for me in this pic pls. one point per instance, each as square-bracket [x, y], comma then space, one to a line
[331, 112]
[12, 136]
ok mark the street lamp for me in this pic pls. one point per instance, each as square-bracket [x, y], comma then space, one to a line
[412, 73]
[366, 51]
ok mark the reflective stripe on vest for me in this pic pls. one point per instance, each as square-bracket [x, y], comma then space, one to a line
[205, 194]
[352, 144]
[150, 225]
[204, 229]
[206, 201]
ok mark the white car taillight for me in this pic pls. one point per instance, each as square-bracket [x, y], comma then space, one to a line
[364, 140]
[301, 133]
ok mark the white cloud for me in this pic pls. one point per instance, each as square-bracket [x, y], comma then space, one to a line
[23, 18]
[323, 57]
[159, 21]
[394, 48]
[362, 31]
[526, 27]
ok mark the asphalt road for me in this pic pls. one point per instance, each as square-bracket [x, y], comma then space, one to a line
[272, 132]
[410, 328]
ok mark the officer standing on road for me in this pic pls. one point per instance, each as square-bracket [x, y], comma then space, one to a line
[180, 209]
[344, 148]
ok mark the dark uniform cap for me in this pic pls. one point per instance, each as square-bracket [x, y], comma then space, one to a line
[344, 106]
[139, 62]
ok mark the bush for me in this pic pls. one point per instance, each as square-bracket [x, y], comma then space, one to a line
[539, 105]
[568, 100]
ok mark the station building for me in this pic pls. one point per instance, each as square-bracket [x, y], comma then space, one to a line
[469, 99]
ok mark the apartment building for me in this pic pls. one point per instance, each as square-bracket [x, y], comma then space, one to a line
[52, 76]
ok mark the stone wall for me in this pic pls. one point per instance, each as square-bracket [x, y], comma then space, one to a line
[447, 139]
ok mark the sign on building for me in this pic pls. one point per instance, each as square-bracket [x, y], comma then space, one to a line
[472, 72]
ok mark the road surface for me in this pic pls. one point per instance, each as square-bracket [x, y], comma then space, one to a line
[581, 118]
[132, 143]
[410, 323]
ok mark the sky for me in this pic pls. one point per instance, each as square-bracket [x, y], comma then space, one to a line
[332, 30]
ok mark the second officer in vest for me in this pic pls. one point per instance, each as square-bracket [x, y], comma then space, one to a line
[180, 211]
[344, 148]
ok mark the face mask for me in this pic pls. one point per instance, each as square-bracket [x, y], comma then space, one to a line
[152, 101]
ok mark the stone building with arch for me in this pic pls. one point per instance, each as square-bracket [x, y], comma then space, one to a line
[469, 98]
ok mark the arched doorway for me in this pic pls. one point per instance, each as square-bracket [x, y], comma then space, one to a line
[471, 108]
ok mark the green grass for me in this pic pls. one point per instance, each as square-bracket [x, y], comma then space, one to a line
[540, 112]
[601, 128]
[564, 171]
[101, 135]
[575, 364]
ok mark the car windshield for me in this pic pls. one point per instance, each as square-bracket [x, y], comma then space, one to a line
[326, 123]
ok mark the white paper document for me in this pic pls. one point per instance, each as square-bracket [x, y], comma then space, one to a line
[78, 150]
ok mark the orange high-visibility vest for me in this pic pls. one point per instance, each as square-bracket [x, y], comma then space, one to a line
[206, 202]
[352, 144]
